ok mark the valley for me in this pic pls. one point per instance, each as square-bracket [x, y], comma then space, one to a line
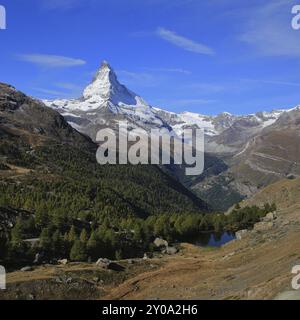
[71, 228]
[243, 153]
[256, 267]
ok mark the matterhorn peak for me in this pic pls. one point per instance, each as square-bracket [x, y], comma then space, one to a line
[105, 88]
[104, 84]
[105, 70]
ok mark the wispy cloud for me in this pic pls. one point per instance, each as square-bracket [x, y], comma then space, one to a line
[268, 29]
[170, 70]
[61, 4]
[185, 103]
[274, 82]
[68, 86]
[139, 78]
[70, 89]
[184, 43]
[205, 88]
[50, 61]
[60, 90]
[48, 92]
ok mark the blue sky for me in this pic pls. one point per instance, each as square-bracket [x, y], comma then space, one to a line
[205, 56]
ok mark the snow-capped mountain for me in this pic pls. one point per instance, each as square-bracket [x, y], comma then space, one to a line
[105, 101]
[215, 125]
[242, 152]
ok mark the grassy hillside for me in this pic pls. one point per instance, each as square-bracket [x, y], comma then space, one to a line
[52, 188]
[44, 162]
[285, 193]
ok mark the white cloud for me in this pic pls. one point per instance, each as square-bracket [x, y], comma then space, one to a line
[185, 102]
[48, 92]
[206, 87]
[50, 61]
[66, 91]
[172, 70]
[139, 78]
[184, 43]
[60, 4]
[268, 29]
[273, 82]
[68, 86]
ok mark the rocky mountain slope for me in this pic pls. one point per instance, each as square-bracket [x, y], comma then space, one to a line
[25, 120]
[42, 156]
[266, 157]
[285, 193]
[243, 153]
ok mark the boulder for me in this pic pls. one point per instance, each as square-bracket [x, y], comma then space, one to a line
[63, 261]
[103, 263]
[69, 280]
[158, 242]
[263, 226]
[241, 234]
[38, 259]
[271, 216]
[291, 177]
[26, 269]
[171, 250]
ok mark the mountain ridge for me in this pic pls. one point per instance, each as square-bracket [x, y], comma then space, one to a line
[239, 163]
[105, 99]
[36, 143]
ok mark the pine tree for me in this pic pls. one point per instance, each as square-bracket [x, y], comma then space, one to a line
[41, 216]
[118, 255]
[57, 243]
[45, 241]
[83, 236]
[17, 234]
[78, 251]
[72, 236]
[92, 245]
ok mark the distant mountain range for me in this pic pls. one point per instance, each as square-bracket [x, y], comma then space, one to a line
[243, 152]
[105, 101]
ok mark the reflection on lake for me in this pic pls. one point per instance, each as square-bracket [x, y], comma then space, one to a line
[207, 239]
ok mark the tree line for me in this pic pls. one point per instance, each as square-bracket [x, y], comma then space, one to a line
[116, 238]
